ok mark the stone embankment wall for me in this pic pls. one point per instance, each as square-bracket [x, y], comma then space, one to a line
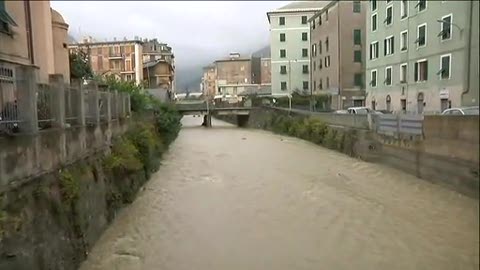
[51, 220]
[446, 154]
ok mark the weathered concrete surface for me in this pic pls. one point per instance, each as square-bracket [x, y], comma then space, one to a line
[27, 156]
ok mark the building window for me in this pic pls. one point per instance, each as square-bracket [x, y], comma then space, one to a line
[320, 19]
[304, 36]
[403, 9]
[404, 41]
[445, 64]
[421, 5]
[320, 66]
[313, 24]
[320, 84]
[403, 105]
[388, 76]
[305, 85]
[281, 20]
[304, 19]
[373, 78]
[314, 85]
[328, 83]
[389, 18]
[283, 53]
[403, 73]
[327, 61]
[326, 15]
[357, 79]
[421, 71]
[373, 5]
[320, 47]
[357, 37]
[305, 69]
[283, 86]
[356, 6]
[326, 45]
[388, 44]
[100, 62]
[6, 21]
[357, 56]
[445, 27]
[314, 50]
[304, 52]
[374, 50]
[282, 37]
[374, 22]
[421, 35]
[314, 65]
[283, 69]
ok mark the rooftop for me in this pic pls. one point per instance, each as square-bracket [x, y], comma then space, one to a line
[299, 6]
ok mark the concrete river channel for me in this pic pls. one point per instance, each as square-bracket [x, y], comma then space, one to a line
[229, 198]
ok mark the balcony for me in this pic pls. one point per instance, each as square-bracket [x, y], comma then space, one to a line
[113, 56]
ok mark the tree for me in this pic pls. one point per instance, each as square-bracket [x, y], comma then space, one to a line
[80, 65]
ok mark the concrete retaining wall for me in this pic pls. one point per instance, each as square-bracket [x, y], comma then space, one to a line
[446, 154]
[27, 156]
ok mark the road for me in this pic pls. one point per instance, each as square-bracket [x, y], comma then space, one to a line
[228, 198]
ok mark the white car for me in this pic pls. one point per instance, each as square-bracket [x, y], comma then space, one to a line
[359, 110]
[462, 111]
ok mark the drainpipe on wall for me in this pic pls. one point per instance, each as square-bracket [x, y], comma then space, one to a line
[28, 17]
[339, 51]
[467, 55]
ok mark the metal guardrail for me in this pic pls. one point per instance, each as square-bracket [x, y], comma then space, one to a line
[45, 106]
[400, 124]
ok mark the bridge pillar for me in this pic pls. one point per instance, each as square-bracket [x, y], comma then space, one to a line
[207, 120]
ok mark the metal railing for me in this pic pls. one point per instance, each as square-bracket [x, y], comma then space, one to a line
[72, 97]
[9, 116]
[45, 107]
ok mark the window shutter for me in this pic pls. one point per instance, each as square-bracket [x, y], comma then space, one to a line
[416, 72]
[384, 47]
[370, 51]
[393, 45]
[426, 71]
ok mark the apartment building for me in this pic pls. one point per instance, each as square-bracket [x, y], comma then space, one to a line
[122, 59]
[159, 64]
[265, 70]
[420, 57]
[290, 46]
[208, 80]
[337, 60]
[31, 34]
[231, 73]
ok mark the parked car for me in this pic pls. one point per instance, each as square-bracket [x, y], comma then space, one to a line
[359, 110]
[462, 111]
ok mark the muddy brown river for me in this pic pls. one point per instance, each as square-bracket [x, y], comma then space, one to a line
[229, 198]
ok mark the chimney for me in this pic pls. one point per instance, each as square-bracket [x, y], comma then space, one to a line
[234, 55]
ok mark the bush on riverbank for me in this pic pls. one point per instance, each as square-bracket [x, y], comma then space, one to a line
[313, 130]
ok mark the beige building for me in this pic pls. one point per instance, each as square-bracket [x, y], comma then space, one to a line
[266, 71]
[158, 74]
[208, 80]
[122, 59]
[31, 34]
[338, 53]
[233, 71]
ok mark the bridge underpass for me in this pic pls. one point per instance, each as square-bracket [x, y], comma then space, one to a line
[207, 110]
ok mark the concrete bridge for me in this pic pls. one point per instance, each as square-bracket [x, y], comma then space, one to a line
[207, 109]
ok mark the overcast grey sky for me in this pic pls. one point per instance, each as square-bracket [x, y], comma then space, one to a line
[198, 31]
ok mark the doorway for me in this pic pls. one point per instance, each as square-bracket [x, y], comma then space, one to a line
[420, 103]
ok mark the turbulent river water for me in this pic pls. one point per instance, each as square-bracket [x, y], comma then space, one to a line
[229, 198]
